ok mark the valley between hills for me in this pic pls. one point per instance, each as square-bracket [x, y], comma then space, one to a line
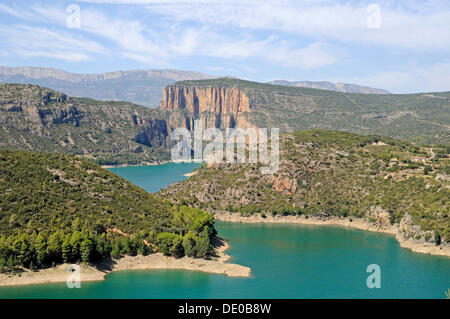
[345, 158]
[122, 133]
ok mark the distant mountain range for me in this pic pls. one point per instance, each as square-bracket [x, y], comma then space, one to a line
[40, 119]
[325, 85]
[143, 87]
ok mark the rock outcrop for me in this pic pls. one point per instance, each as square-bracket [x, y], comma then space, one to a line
[221, 107]
[40, 119]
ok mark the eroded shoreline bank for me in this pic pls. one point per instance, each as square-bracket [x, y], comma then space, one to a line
[357, 223]
[216, 265]
[97, 272]
[135, 165]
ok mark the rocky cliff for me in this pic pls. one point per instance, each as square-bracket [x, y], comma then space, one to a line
[40, 119]
[229, 102]
[221, 107]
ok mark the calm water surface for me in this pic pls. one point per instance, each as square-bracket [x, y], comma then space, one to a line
[154, 177]
[287, 261]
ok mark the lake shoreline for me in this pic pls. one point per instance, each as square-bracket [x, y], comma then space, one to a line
[98, 271]
[357, 223]
[136, 165]
[147, 164]
[191, 174]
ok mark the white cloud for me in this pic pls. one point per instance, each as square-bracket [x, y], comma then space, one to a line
[155, 1]
[419, 27]
[242, 31]
[136, 40]
[38, 41]
[270, 49]
[434, 77]
[313, 56]
[15, 11]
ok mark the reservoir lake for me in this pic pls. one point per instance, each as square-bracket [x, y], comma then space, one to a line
[287, 261]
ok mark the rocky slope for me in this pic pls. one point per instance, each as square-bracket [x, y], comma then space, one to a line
[328, 174]
[219, 107]
[36, 118]
[232, 102]
[40, 119]
[325, 85]
[143, 87]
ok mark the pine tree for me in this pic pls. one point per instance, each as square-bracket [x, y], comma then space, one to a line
[203, 246]
[10, 263]
[66, 250]
[54, 248]
[177, 250]
[75, 243]
[115, 250]
[86, 250]
[189, 243]
[2, 264]
[40, 246]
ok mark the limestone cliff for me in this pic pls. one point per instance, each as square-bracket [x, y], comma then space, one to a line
[40, 119]
[220, 107]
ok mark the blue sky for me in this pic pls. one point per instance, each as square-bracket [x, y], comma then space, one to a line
[401, 46]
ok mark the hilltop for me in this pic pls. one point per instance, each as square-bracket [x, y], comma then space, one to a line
[334, 175]
[118, 133]
[110, 133]
[326, 85]
[421, 118]
[57, 208]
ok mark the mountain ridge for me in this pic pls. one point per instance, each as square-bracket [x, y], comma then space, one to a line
[117, 133]
[338, 86]
[143, 87]
[59, 74]
[41, 119]
[419, 117]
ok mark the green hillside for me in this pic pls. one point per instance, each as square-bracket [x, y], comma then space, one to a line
[422, 118]
[329, 173]
[56, 208]
[40, 119]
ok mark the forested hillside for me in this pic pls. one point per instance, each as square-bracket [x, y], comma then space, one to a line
[57, 208]
[329, 173]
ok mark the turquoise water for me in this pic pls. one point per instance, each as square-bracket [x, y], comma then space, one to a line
[287, 261]
[154, 177]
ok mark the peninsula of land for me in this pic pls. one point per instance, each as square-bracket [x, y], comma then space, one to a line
[97, 271]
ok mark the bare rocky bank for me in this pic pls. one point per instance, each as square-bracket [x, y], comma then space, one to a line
[216, 265]
[418, 246]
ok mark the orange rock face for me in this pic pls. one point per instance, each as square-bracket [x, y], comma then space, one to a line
[284, 185]
[224, 101]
